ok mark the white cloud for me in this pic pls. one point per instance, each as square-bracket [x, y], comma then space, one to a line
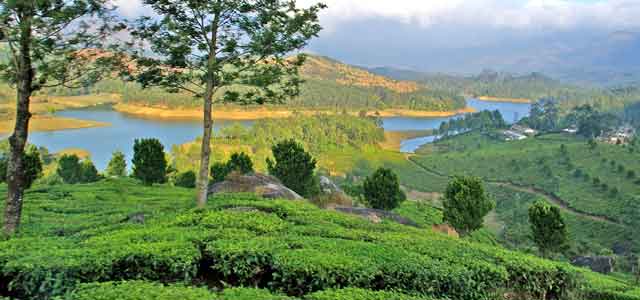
[510, 14]
[516, 14]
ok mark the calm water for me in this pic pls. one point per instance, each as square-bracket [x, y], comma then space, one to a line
[101, 142]
[511, 112]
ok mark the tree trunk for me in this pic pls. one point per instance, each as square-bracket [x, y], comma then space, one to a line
[205, 153]
[18, 140]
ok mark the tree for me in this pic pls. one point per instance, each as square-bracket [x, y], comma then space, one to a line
[186, 180]
[149, 162]
[117, 165]
[88, 172]
[548, 228]
[466, 204]
[219, 172]
[294, 167]
[43, 38]
[204, 48]
[3, 169]
[69, 169]
[544, 115]
[240, 162]
[32, 166]
[382, 190]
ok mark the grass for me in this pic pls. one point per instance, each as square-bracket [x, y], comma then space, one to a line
[77, 243]
[51, 123]
[600, 215]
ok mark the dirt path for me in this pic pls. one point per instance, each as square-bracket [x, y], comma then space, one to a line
[563, 205]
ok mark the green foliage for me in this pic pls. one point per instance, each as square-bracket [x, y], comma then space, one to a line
[186, 180]
[484, 120]
[591, 122]
[33, 166]
[288, 247]
[294, 167]
[518, 164]
[71, 170]
[117, 165]
[382, 190]
[466, 204]
[240, 162]
[149, 162]
[219, 172]
[548, 228]
[544, 115]
[89, 172]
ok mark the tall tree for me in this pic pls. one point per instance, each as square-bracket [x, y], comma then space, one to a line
[548, 228]
[227, 50]
[44, 38]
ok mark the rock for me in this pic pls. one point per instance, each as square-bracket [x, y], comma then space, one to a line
[376, 215]
[328, 187]
[259, 184]
[446, 229]
[600, 264]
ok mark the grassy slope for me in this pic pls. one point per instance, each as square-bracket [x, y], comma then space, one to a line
[599, 218]
[79, 234]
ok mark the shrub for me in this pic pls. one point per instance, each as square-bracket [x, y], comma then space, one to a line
[69, 168]
[32, 166]
[149, 162]
[88, 173]
[631, 174]
[219, 172]
[548, 228]
[382, 190]
[294, 167]
[186, 180]
[240, 162]
[466, 204]
[117, 165]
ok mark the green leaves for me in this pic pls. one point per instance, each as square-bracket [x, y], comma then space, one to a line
[382, 190]
[149, 162]
[548, 228]
[201, 46]
[466, 204]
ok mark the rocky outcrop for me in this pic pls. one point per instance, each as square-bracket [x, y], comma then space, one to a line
[600, 264]
[262, 185]
[376, 215]
[327, 186]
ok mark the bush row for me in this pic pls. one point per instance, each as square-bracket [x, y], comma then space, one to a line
[140, 290]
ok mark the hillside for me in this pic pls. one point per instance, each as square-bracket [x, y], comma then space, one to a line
[596, 187]
[329, 85]
[118, 240]
[531, 86]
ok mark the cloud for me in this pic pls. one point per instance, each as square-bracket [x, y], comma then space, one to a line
[512, 14]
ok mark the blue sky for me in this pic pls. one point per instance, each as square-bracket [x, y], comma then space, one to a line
[458, 35]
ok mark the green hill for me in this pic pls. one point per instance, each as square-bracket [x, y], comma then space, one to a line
[597, 187]
[118, 240]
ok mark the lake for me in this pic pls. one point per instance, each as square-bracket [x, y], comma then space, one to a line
[103, 141]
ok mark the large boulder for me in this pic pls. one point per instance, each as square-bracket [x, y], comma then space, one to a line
[328, 187]
[600, 264]
[262, 185]
[376, 215]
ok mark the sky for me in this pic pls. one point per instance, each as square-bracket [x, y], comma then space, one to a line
[465, 35]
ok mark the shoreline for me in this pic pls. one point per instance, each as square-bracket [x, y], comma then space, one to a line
[39, 123]
[501, 99]
[263, 113]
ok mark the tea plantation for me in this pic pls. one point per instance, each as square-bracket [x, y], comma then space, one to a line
[116, 239]
[597, 184]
